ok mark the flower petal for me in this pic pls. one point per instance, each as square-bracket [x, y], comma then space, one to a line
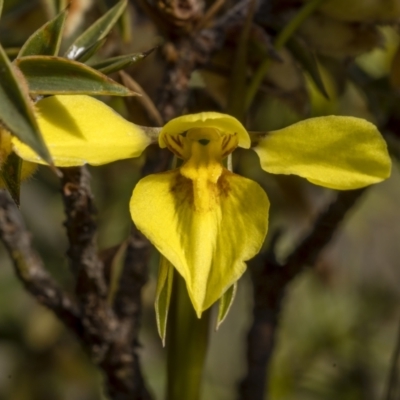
[207, 247]
[80, 129]
[223, 122]
[336, 152]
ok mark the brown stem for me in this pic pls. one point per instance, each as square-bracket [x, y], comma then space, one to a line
[128, 306]
[109, 335]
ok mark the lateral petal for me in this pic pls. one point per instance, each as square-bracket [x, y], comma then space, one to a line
[83, 130]
[336, 152]
[207, 247]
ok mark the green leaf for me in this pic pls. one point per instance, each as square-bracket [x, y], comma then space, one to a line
[96, 31]
[115, 64]
[163, 295]
[16, 109]
[90, 51]
[11, 175]
[308, 62]
[57, 75]
[47, 39]
[225, 303]
[1, 6]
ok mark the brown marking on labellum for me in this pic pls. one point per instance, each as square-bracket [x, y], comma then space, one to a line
[182, 190]
[223, 184]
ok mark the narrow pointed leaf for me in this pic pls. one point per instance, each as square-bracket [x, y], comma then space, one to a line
[96, 31]
[163, 295]
[11, 175]
[1, 6]
[225, 303]
[16, 109]
[46, 40]
[90, 51]
[115, 64]
[57, 75]
[308, 62]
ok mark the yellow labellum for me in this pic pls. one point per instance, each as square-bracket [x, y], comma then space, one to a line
[204, 219]
[81, 130]
[208, 246]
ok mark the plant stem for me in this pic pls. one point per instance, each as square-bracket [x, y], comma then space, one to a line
[187, 341]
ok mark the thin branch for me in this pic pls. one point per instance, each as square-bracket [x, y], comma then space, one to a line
[193, 51]
[29, 266]
[81, 231]
[111, 340]
[270, 282]
[123, 360]
[91, 289]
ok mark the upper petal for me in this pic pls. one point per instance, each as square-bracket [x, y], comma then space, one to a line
[223, 122]
[336, 152]
[208, 247]
[80, 129]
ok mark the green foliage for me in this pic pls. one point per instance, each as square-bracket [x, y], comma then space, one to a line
[57, 75]
[115, 64]
[47, 39]
[16, 108]
[97, 31]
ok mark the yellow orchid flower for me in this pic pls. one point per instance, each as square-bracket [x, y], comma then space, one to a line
[205, 220]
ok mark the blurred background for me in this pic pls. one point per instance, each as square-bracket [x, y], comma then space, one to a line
[340, 319]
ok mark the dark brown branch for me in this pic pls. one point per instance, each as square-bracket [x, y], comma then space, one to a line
[81, 231]
[99, 321]
[29, 266]
[128, 306]
[109, 336]
[188, 51]
[270, 282]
